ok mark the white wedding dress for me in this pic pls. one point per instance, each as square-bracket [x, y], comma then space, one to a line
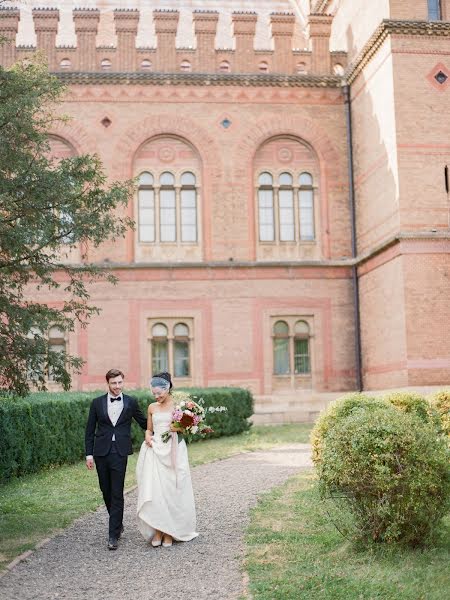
[165, 496]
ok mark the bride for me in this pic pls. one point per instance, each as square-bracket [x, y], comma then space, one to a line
[166, 509]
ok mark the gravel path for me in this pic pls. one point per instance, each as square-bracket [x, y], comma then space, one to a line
[76, 565]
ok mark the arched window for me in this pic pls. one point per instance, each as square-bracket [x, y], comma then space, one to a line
[434, 10]
[56, 343]
[224, 67]
[263, 67]
[167, 208]
[265, 208]
[306, 207]
[281, 363]
[146, 208]
[302, 363]
[106, 64]
[146, 65]
[65, 63]
[188, 201]
[286, 207]
[185, 66]
[160, 348]
[338, 69]
[181, 350]
[301, 68]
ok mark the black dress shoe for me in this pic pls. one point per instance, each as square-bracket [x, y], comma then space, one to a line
[112, 544]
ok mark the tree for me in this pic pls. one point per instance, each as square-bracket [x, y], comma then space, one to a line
[47, 208]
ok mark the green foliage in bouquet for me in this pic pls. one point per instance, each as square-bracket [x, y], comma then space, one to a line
[47, 429]
[441, 402]
[387, 475]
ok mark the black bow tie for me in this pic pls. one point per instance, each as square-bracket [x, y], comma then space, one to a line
[114, 399]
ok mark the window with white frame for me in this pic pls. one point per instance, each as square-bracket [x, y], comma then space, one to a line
[167, 208]
[285, 207]
[171, 346]
[291, 347]
[434, 10]
[55, 341]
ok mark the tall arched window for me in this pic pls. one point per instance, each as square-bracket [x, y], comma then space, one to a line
[281, 363]
[291, 337]
[56, 343]
[286, 208]
[188, 202]
[146, 208]
[434, 10]
[181, 350]
[167, 208]
[302, 361]
[266, 208]
[306, 207]
[160, 348]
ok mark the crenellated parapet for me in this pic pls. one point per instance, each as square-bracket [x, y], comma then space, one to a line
[165, 56]
[126, 23]
[282, 32]
[9, 26]
[46, 27]
[319, 34]
[205, 28]
[86, 26]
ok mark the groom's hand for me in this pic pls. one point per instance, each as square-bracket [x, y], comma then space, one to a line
[90, 463]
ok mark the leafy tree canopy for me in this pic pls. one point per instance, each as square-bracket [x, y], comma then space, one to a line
[47, 209]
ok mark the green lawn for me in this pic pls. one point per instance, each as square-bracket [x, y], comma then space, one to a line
[295, 553]
[35, 506]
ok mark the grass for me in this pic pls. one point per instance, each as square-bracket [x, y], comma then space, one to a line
[36, 506]
[295, 553]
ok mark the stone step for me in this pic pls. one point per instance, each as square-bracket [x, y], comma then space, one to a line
[271, 418]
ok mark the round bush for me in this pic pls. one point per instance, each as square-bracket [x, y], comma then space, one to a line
[441, 402]
[389, 471]
[340, 408]
[411, 402]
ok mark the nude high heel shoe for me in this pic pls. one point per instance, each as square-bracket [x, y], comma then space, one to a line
[165, 543]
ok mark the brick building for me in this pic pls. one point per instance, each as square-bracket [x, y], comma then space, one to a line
[292, 160]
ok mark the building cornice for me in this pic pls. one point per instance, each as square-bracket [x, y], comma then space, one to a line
[342, 263]
[391, 27]
[201, 79]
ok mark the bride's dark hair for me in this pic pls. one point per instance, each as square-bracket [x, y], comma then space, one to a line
[165, 375]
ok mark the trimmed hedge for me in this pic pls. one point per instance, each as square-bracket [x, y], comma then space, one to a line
[47, 429]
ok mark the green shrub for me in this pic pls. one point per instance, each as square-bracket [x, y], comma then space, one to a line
[337, 410]
[387, 473]
[411, 402]
[48, 428]
[441, 402]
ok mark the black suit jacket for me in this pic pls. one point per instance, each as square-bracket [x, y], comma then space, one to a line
[100, 430]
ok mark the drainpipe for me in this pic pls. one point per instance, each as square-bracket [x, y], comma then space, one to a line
[351, 196]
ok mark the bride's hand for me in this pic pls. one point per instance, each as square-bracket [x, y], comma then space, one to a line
[176, 429]
[148, 438]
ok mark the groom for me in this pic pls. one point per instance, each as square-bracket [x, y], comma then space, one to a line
[108, 443]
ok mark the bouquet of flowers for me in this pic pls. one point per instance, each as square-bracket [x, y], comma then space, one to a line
[188, 418]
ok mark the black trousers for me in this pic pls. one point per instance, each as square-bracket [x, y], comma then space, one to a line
[111, 471]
